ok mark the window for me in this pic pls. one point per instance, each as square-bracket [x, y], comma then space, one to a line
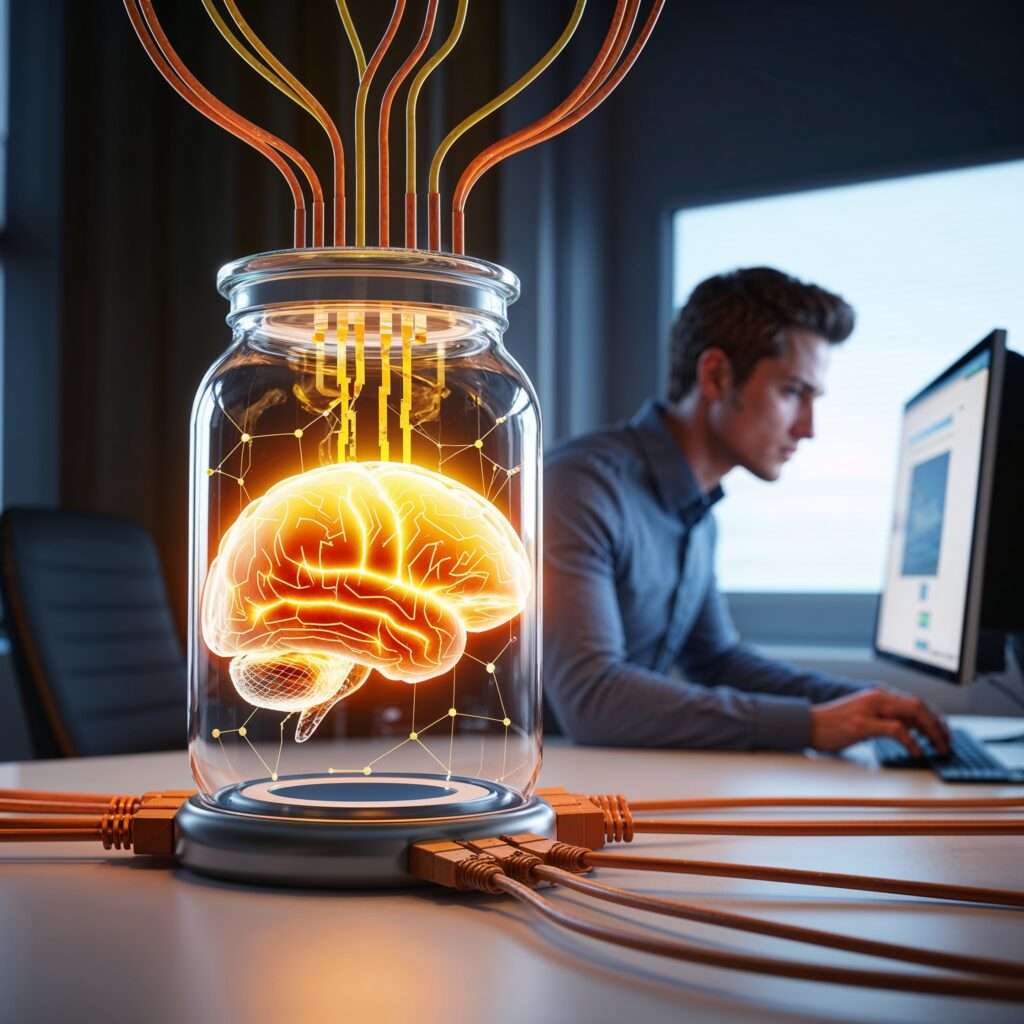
[931, 263]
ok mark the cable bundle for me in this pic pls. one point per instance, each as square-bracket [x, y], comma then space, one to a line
[601, 79]
[620, 825]
[143, 824]
[516, 865]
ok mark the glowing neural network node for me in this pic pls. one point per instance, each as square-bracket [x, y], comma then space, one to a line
[355, 567]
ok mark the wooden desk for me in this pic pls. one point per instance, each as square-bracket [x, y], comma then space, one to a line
[87, 936]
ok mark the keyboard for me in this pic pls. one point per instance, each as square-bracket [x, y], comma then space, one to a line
[967, 761]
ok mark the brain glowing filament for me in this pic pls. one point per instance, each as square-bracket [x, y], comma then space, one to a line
[354, 567]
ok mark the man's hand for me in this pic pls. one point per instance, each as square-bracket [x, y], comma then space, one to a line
[880, 712]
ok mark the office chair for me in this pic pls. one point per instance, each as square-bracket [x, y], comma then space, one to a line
[99, 663]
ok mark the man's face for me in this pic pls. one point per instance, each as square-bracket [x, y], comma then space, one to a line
[760, 424]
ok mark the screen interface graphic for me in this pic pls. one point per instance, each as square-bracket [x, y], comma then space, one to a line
[923, 539]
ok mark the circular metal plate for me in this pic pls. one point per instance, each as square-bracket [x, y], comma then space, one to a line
[379, 797]
[331, 852]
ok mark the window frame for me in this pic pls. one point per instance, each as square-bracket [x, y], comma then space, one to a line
[32, 246]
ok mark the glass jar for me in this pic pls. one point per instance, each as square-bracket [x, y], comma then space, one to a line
[365, 491]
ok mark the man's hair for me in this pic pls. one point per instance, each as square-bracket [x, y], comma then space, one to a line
[747, 313]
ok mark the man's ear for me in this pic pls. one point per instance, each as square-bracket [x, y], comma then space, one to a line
[714, 375]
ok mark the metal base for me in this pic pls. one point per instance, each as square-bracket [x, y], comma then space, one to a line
[347, 832]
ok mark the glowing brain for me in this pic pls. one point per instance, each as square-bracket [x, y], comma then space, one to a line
[354, 567]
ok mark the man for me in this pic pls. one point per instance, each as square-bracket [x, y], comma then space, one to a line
[639, 648]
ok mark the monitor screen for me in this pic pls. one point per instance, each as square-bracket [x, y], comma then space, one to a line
[924, 615]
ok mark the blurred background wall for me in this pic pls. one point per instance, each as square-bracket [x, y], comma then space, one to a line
[122, 202]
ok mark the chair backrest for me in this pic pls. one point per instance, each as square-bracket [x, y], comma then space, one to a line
[15, 738]
[93, 638]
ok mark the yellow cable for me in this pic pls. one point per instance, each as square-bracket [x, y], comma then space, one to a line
[319, 334]
[343, 420]
[384, 391]
[360, 331]
[414, 92]
[360, 147]
[238, 46]
[264, 51]
[359, 326]
[406, 406]
[510, 93]
[353, 37]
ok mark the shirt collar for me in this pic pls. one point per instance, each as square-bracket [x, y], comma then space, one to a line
[673, 479]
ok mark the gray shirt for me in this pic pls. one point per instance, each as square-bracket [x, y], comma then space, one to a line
[639, 648]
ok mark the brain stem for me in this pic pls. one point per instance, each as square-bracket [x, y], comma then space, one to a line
[311, 717]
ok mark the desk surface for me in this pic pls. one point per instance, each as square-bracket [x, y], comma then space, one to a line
[89, 936]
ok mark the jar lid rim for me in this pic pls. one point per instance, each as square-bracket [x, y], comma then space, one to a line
[351, 261]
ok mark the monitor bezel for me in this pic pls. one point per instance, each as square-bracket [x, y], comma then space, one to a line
[995, 343]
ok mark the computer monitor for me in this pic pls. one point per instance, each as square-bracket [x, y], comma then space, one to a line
[947, 487]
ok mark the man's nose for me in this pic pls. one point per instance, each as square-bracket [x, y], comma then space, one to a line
[804, 425]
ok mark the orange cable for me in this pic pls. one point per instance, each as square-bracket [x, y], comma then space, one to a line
[116, 805]
[44, 795]
[383, 143]
[620, 825]
[676, 950]
[365, 80]
[44, 802]
[566, 114]
[113, 830]
[466, 124]
[506, 146]
[595, 99]
[935, 803]
[794, 933]
[37, 835]
[318, 110]
[176, 74]
[32, 807]
[837, 827]
[520, 140]
[791, 876]
[76, 821]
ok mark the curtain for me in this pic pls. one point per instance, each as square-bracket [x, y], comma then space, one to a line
[156, 199]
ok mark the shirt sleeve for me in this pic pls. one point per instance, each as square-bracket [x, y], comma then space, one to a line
[596, 694]
[714, 656]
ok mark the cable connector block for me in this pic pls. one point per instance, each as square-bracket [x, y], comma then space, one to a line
[578, 820]
[515, 862]
[471, 864]
[552, 852]
[152, 825]
[437, 861]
